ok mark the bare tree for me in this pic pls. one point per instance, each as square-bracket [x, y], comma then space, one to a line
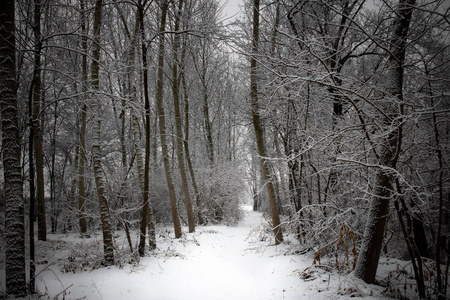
[389, 150]
[14, 229]
[147, 212]
[178, 120]
[258, 127]
[83, 121]
[37, 136]
[108, 246]
[186, 132]
[162, 120]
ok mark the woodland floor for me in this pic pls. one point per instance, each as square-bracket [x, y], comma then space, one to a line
[215, 262]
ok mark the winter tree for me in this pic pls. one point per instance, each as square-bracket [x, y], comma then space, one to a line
[14, 228]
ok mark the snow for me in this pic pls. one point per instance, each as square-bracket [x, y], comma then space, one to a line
[215, 262]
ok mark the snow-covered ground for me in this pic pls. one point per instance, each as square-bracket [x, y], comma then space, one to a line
[215, 262]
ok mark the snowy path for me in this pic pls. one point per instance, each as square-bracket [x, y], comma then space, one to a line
[214, 263]
[226, 265]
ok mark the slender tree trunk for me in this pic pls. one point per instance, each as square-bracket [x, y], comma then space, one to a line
[162, 121]
[266, 170]
[82, 138]
[130, 89]
[186, 136]
[141, 172]
[419, 232]
[178, 127]
[54, 207]
[14, 211]
[206, 119]
[129, 94]
[31, 284]
[34, 134]
[123, 147]
[441, 278]
[369, 254]
[34, 98]
[147, 212]
[37, 137]
[81, 172]
[254, 187]
[414, 255]
[336, 64]
[108, 246]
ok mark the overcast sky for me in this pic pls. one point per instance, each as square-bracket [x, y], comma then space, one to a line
[231, 7]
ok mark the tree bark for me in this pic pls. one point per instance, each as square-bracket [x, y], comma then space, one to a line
[186, 137]
[178, 127]
[162, 121]
[14, 212]
[413, 251]
[147, 212]
[82, 137]
[31, 218]
[108, 246]
[206, 119]
[369, 254]
[37, 137]
[266, 170]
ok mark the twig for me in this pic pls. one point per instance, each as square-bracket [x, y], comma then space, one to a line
[45, 268]
[63, 291]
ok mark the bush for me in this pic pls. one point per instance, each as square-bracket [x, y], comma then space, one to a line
[221, 192]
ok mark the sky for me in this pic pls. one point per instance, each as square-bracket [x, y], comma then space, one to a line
[231, 7]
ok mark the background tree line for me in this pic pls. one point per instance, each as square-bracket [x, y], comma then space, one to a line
[135, 113]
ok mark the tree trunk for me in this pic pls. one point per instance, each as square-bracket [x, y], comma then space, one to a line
[162, 121]
[108, 246]
[82, 139]
[442, 280]
[81, 171]
[141, 171]
[186, 137]
[147, 212]
[178, 127]
[206, 119]
[37, 137]
[414, 255]
[254, 181]
[266, 170]
[369, 254]
[31, 284]
[54, 207]
[14, 211]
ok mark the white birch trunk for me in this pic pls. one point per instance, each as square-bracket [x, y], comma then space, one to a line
[108, 245]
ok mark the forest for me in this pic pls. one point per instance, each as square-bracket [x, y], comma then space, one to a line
[143, 117]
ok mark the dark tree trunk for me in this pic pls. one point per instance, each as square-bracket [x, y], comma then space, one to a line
[37, 136]
[178, 126]
[258, 127]
[82, 146]
[14, 214]
[162, 121]
[186, 137]
[369, 255]
[147, 212]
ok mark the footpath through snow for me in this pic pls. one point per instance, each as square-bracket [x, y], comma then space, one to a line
[215, 262]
